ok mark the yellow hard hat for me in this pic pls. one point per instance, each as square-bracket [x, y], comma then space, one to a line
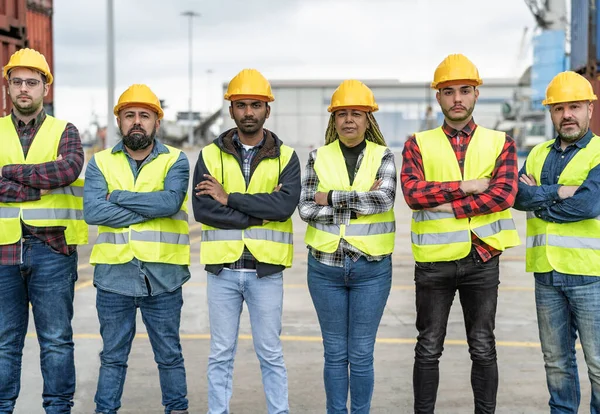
[355, 95]
[568, 87]
[139, 94]
[456, 69]
[29, 58]
[249, 84]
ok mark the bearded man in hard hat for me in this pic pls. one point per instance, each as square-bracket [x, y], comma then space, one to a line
[559, 186]
[41, 224]
[247, 187]
[136, 194]
[348, 193]
[460, 180]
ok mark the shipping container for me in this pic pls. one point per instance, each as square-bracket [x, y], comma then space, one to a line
[595, 122]
[12, 18]
[39, 36]
[580, 13]
[8, 46]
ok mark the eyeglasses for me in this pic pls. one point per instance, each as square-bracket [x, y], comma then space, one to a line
[17, 82]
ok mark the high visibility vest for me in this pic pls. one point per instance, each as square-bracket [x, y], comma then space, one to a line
[270, 243]
[372, 234]
[438, 237]
[571, 248]
[159, 240]
[60, 207]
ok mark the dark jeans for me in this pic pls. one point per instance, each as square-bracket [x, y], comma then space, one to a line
[161, 314]
[477, 285]
[45, 279]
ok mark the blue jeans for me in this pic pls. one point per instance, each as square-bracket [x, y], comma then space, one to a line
[349, 302]
[264, 298]
[563, 310]
[47, 280]
[161, 314]
[436, 284]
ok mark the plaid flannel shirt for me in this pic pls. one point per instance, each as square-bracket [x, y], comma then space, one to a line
[499, 196]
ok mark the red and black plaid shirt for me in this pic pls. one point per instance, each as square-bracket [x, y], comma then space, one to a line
[499, 196]
[23, 182]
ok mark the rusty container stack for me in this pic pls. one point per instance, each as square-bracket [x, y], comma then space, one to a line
[13, 23]
[39, 36]
[26, 23]
[585, 48]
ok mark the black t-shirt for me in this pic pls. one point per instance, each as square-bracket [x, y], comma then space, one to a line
[351, 157]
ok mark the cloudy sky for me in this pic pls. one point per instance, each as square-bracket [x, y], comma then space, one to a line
[284, 39]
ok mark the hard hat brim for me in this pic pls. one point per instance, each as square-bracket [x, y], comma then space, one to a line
[363, 108]
[262, 98]
[454, 82]
[119, 107]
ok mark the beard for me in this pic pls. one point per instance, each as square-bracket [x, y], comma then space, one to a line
[250, 125]
[574, 135]
[29, 108]
[137, 139]
[458, 118]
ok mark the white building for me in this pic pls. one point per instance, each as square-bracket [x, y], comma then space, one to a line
[299, 113]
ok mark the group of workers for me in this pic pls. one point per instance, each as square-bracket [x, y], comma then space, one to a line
[460, 180]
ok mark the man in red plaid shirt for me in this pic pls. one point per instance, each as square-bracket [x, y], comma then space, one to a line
[41, 222]
[461, 180]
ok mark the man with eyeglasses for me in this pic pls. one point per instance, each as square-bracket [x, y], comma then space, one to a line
[41, 223]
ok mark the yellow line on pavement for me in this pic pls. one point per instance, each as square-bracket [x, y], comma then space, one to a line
[83, 285]
[308, 338]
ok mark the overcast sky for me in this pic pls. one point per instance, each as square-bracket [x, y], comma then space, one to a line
[284, 39]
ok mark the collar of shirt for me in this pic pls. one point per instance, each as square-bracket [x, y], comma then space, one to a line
[582, 143]
[467, 129]
[238, 143]
[34, 122]
[159, 148]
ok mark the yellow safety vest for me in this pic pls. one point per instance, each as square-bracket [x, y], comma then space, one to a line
[159, 240]
[271, 243]
[373, 234]
[438, 237]
[571, 248]
[60, 207]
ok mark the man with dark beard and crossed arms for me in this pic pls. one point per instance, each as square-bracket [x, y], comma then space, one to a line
[136, 196]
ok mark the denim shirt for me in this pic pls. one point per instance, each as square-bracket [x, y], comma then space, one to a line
[544, 201]
[125, 208]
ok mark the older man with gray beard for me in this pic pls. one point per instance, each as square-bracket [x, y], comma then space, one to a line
[559, 186]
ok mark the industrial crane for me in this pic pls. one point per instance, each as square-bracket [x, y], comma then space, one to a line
[549, 14]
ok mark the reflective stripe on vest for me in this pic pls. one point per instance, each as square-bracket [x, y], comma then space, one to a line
[425, 215]
[161, 240]
[60, 207]
[572, 248]
[372, 234]
[9, 212]
[70, 190]
[440, 236]
[160, 237]
[113, 238]
[249, 234]
[52, 214]
[269, 243]
[460, 236]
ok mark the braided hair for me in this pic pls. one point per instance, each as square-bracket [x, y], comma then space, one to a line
[373, 133]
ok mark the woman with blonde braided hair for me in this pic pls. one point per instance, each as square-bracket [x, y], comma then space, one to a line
[347, 199]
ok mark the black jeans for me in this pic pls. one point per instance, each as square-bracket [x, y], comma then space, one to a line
[436, 285]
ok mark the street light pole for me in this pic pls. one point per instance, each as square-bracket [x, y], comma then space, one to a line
[190, 14]
[111, 131]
